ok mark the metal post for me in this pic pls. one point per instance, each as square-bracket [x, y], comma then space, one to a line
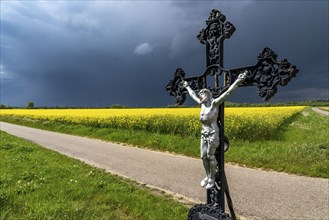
[220, 160]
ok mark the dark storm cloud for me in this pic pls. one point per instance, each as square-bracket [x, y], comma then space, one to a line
[99, 53]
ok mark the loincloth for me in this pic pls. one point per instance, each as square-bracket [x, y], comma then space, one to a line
[211, 138]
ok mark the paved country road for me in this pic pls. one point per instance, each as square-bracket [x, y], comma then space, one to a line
[256, 194]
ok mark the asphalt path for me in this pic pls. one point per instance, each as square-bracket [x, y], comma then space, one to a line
[256, 194]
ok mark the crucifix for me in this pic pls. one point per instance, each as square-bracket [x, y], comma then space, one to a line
[213, 87]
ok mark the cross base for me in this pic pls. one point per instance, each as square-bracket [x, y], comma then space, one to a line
[207, 212]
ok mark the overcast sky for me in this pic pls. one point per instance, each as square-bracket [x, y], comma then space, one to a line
[99, 53]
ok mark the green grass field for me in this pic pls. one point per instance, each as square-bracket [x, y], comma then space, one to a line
[36, 183]
[299, 146]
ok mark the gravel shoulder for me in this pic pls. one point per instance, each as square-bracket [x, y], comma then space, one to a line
[320, 111]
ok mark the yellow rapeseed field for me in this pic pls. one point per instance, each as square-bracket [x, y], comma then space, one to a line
[242, 123]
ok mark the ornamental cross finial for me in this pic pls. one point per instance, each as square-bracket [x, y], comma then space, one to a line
[213, 36]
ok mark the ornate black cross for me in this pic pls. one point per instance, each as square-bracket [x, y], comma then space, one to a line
[267, 74]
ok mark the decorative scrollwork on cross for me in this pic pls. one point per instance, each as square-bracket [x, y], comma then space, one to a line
[272, 72]
[269, 73]
[217, 30]
[175, 89]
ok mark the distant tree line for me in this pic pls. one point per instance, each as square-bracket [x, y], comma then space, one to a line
[31, 105]
[268, 104]
[5, 107]
[265, 104]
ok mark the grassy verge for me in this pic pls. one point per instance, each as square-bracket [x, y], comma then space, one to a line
[154, 141]
[299, 146]
[36, 183]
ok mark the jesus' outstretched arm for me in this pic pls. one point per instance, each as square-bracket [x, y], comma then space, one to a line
[241, 78]
[191, 92]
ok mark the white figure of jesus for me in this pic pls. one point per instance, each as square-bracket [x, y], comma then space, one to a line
[210, 130]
